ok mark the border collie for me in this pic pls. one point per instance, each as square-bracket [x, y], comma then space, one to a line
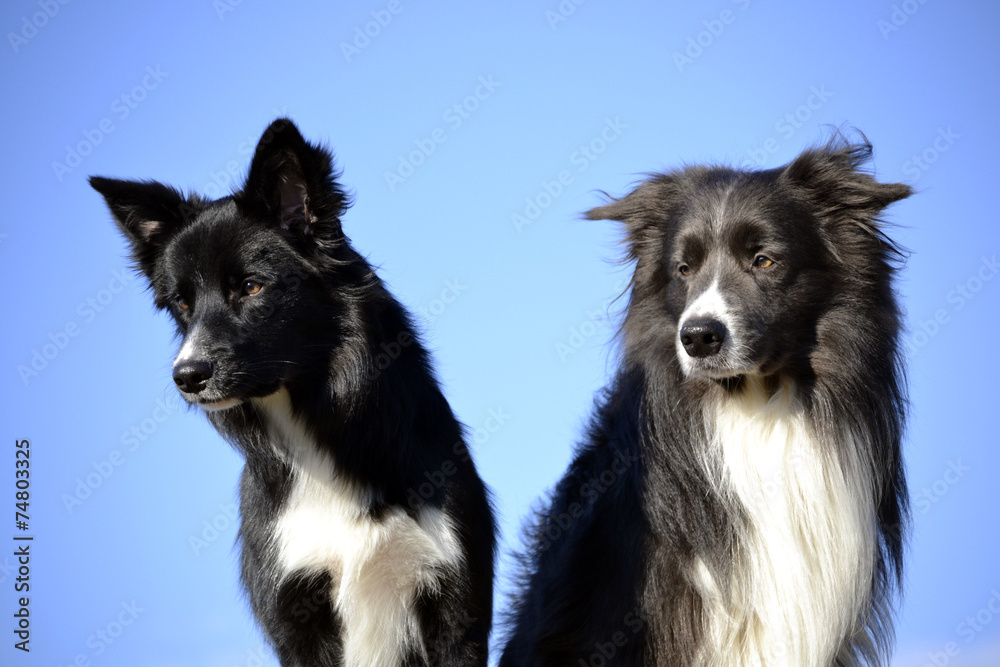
[367, 536]
[739, 498]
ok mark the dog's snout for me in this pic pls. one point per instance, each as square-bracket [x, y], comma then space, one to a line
[703, 337]
[192, 376]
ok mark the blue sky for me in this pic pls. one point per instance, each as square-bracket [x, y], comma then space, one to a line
[473, 136]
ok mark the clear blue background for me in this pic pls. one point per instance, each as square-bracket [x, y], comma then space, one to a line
[521, 320]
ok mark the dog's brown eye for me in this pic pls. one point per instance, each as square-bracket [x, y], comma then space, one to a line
[684, 270]
[762, 262]
[182, 303]
[251, 287]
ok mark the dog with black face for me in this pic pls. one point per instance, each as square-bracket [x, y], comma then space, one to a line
[739, 498]
[367, 536]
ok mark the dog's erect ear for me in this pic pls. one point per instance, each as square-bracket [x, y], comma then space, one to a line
[148, 213]
[644, 211]
[294, 184]
[834, 178]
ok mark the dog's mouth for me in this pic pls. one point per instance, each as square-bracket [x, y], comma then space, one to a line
[217, 400]
[218, 405]
[203, 384]
[721, 374]
[209, 403]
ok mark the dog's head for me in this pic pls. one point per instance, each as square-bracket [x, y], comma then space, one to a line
[236, 274]
[735, 270]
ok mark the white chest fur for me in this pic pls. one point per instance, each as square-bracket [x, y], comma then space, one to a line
[377, 566]
[804, 571]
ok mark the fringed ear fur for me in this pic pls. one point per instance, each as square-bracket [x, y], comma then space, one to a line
[643, 211]
[148, 213]
[291, 183]
[644, 201]
[831, 176]
[294, 184]
[835, 178]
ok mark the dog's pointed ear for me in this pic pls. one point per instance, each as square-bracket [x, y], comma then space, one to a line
[834, 177]
[293, 184]
[148, 213]
[644, 211]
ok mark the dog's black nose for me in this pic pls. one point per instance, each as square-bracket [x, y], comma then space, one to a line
[703, 338]
[192, 376]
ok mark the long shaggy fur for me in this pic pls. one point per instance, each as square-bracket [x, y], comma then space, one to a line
[739, 497]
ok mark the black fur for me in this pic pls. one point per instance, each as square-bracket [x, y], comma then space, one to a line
[278, 298]
[606, 572]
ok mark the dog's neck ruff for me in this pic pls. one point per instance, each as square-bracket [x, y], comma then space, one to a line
[805, 535]
[378, 566]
